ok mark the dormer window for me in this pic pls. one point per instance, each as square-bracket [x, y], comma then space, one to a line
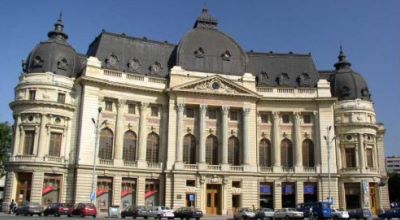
[61, 98]
[32, 94]
[226, 56]
[199, 53]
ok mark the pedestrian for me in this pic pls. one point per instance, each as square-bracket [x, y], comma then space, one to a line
[12, 207]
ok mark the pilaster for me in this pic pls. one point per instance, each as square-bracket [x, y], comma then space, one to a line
[361, 152]
[298, 143]
[276, 143]
[246, 112]
[224, 130]
[37, 186]
[142, 134]
[119, 132]
[180, 107]
[202, 135]
[43, 147]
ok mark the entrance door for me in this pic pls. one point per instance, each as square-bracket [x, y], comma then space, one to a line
[213, 206]
[373, 198]
[24, 182]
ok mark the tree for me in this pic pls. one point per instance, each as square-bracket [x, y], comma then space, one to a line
[393, 184]
[5, 145]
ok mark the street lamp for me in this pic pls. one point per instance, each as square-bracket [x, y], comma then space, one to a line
[97, 127]
[329, 141]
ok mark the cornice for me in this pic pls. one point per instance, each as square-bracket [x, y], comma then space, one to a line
[18, 103]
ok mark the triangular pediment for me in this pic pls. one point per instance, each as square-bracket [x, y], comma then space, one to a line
[214, 85]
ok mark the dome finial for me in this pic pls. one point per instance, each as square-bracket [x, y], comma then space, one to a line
[342, 63]
[58, 32]
[205, 20]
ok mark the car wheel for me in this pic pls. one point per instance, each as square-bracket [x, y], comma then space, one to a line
[81, 215]
[69, 215]
[287, 217]
[94, 216]
[122, 216]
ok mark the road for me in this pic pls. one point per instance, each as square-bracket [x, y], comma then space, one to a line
[13, 217]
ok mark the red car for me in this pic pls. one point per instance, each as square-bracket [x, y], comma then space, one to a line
[84, 209]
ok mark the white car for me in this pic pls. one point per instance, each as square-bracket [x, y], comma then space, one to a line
[160, 212]
[288, 213]
[339, 213]
[265, 213]
[244, 213]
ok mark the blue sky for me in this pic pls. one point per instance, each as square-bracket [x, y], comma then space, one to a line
[368, 30]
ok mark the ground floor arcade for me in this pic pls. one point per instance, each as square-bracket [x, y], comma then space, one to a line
[213, 193]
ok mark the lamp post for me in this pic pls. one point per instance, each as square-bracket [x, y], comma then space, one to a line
[329, 140]
[97, 127]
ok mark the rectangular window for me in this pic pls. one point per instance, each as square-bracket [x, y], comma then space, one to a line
[307, 119]
[29, 142]
[154, 111]
[189, 113]
[109, 106]
[191, 183]
[55, 144]
[61, 98]
[286, 118]
[131, 108]
[32, 94]
[212, 114]
[370, 162]
[350, 157]
[264, 117]
[233, 115]
[235, 184]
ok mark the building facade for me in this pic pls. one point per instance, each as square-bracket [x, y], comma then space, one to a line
[392, 164]
[201, 123]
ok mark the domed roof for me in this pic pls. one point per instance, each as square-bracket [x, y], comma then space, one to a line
[206, 49]
[347, 84]
[54, 55]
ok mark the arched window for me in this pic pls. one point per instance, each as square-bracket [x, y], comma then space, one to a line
[286, 153]
[106, 144]
[129, 153]
[233, 151]
[308, 153]
[212, 150]
[189, 149]
[153, 148]
[265, 153]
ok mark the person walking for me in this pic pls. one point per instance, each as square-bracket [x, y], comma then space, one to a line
[12, 207]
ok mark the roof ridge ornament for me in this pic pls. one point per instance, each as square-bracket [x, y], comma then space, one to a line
[205, 20]
[58, 32]
[342, 64]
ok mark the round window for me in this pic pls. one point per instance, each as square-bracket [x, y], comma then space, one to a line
[216, 85]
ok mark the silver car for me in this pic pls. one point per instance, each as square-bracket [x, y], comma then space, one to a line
[288, 213]
[244, 213]
[340, 214]
[160, 212]
[265, 213]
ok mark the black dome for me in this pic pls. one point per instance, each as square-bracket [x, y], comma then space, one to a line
[54, 55]
[206, 49]
[347, 84]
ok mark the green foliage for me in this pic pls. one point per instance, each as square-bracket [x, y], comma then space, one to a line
[394, 189]
[5, 144]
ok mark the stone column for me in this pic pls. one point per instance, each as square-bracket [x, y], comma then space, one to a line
[202, 136]
[317, 142]
[142, 132]
[37, 186]
[43, 148]
[246, 112]
[179, 124]
[17, 136]
[119, 132]
[299, 150]
[224, 132]
[277, 194]
[276, 140]
[361, 152]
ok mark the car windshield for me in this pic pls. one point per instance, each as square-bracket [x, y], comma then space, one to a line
[90, 205]
[246, 210]
[34, 204]
[165, 208]
[291, 209]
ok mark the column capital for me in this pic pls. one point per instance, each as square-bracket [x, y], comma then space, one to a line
[246, 111]
[121, 102]
[275, 115]
[203, 108]
[225, 110]
[143, 105]
[180, 107]
[297, 116]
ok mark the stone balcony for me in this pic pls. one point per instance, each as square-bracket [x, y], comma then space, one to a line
[36, 159]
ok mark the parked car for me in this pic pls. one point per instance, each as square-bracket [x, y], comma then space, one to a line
[30, 208]
[84, 209]
[58, 209]
[188, 213]
[288, 213]
[135, 211]
[340, 214]
[244, 213]
[391, 213]
[160, 212]
[320, 210]
[364, 213]
[264, 213]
